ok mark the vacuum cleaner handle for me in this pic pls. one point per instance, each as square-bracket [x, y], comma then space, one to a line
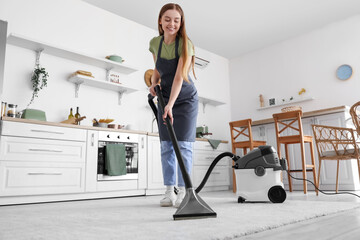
[173, 138]
[152, 105]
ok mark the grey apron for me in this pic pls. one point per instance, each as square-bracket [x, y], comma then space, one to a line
[185, 109]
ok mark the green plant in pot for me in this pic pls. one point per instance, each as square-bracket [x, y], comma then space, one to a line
[38, 80]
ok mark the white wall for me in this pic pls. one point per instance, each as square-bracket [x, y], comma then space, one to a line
[73, 24]
[308, 61]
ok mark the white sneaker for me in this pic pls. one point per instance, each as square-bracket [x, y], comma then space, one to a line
[180, 196]
[169, 199]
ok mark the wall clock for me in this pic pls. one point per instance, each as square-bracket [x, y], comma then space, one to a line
[344, 72]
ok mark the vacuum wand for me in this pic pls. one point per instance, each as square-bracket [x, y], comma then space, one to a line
[171, 132]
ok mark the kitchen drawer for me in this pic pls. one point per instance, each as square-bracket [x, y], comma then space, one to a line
[202, 157]
[205, 145]
[34, 178]
[220, 176]
[42, 131]
[44, 150]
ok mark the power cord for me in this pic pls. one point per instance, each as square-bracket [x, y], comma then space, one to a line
[326, 193]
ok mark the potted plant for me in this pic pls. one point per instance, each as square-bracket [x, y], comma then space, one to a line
[39, 80]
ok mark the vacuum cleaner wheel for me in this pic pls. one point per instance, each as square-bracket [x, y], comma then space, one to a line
[277, 194]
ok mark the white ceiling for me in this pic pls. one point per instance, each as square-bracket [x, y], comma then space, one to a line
[231, 28]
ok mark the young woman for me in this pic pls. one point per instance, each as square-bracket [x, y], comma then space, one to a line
[173, 55]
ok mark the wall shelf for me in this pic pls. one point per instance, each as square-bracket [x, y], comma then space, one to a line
[205, 101]
[35, 45]
[288, 103]
[90, 81]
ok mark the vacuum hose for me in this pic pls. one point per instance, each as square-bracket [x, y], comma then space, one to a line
[186, 177]
[213, 164]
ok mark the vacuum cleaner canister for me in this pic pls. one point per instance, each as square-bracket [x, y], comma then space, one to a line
[258, 176]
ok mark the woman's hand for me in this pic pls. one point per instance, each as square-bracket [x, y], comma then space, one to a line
[152, 90]
[168, 112]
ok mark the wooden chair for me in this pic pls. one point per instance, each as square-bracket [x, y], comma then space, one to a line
[336, 143]
[355, 115]
[292, 121]
[241, 137]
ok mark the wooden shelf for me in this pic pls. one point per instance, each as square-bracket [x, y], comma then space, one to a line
[35, 45]
[213, 102]
[287, 103]
[210, 101]
[90, 81]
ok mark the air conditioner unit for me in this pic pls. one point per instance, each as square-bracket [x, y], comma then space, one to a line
[201, 63]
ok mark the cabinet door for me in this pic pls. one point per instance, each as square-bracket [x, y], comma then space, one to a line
[142, 180]
[32, 178]
[154, 174]
[91, 160]
[46, 150]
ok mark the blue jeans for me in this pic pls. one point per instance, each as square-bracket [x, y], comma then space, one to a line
[168, 161]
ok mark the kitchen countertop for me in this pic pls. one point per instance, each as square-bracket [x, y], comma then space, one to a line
[307, 114]
[56, 124]
[197, 139]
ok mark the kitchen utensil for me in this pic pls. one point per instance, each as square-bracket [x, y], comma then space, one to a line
[115, 58]
[103, 124]
[3, 109]
[147, 77]
[11, 112]
[33, 114]
[73, 120]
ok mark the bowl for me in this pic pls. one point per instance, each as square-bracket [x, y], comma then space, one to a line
[104, 125]
[115, 58]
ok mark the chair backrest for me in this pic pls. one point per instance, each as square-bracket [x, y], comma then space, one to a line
[355, 115]
[288, 120]
[241, 130]
[335, 142]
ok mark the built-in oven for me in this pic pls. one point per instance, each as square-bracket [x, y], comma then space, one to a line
[130, 142]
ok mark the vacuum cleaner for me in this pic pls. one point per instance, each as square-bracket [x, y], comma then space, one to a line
[263, 162]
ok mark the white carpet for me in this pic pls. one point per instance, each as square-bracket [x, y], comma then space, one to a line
[142, 218]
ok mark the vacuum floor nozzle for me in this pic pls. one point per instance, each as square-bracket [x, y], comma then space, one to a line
[193, 207]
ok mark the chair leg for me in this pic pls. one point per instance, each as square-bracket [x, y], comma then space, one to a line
[318, 180]
[303, 162]
[288, 163]
[314, 166]
[337, 176]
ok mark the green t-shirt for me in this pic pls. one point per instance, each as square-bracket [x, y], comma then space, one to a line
[168, 51]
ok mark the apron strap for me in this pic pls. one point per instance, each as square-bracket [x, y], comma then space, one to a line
[176, 47]
[160, 46]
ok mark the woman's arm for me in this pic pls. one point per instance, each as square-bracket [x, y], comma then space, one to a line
[175, 89]
[154, 79]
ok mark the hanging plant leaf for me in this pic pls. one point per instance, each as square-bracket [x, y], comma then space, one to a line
[39, 80]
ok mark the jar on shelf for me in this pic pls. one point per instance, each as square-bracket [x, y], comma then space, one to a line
[11, 112]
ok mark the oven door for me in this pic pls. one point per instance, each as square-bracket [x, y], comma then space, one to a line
[131, 153]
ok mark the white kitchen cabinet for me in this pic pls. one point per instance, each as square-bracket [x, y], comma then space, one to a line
[348, 169]
[155, 182]
[204, 155]
[37, 159]
[91, 160]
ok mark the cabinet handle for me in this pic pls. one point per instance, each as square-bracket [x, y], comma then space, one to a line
[44, 173]
[92, 139]
[142, 142]
[216, 173]
[44, 150]
[43, 131]
[210, 158]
